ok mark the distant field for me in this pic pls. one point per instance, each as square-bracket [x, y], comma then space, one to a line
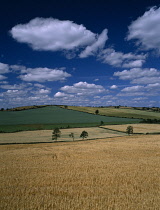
[120, 173]
[46, 135]
[137, 128]
[121, 112]
[53, 116]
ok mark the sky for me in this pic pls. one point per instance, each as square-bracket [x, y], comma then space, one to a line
[78, 52]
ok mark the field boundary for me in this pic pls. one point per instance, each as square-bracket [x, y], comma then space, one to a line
[53, 142]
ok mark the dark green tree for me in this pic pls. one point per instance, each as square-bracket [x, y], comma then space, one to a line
[84, 134]
[97, 111]
[102, 123]
[56, 134]
[129, 130]
[71, 135]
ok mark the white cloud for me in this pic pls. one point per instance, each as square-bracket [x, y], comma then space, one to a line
[83, 88]
[140, 98]
[98, 44]
[39, 85]
[2, 77]
[146, 30]
[18, 68]
[140, 76]
[3, 82]
[96, 80]
[15, 86]
[119, 59]
[114, 87]
[133, 89]
[44, 91]
[52, 34]
[44, 74]
[60, 94]
[4, 68]
[153, 87]
[132, 64]
[126, 94]
[146, 80]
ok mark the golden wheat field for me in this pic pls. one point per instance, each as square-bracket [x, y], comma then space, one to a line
[46, 135]
[118, 173]
[137, 128]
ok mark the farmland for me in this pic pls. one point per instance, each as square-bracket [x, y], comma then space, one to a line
[138, 128]
[51, 117]
[128, 112]
[114, 173]
[46, 135]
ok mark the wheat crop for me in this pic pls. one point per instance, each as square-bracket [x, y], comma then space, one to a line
[118, 173]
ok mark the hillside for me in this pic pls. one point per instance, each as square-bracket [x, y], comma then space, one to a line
[53, 116]
[128, 112]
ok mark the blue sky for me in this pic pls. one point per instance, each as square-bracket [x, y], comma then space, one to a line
[90, 53]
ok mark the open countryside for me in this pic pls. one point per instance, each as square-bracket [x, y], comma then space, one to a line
[53, 116]
[117, 173]
[108, 169]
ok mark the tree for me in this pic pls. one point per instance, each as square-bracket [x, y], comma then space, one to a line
[56, 134]
[71, 135]
[102, 123]
[129, 130]
[2, 109]
[97, 111]
[84, 134]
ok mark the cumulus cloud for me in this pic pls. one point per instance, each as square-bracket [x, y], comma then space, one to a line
[83, 88]
[2, 77]
[16, 68]
[146, 30]
[140, 76]
[44, 91]
[4, 68]
[98, 44]
[24, 93]
[44, 74]
[52, 34]
[15, 86]
[133, 89]
[113, 87]
[119, 59]
[138, 90]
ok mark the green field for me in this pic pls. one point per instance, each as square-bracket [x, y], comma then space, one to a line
[51, 117]
[128, 112]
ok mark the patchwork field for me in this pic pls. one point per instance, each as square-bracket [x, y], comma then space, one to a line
[117, 173]
[46, 135]
[120, 112]
[52, 116]
[137, 128]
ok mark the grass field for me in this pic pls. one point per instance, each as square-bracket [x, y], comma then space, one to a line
[128, 112]
[118, 173]
[51, 117]
[46, 135]
[137, 128]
